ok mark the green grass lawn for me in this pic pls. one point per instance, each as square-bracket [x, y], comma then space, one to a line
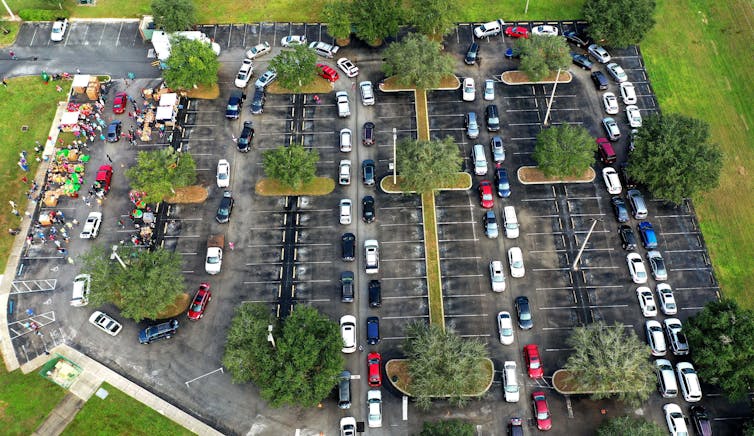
[119, 414]
[25, 401]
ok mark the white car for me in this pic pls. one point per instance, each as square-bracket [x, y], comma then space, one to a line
[655, 338]
[213, 263]
[689, 381]
[344, 172]
[290, 41]
[371, 256]
[244, 73]
[675, 420]
[345, 140]
[636, 268]
[223, 173]
[628, 93]
[612, 182]
[348, 332]
[348, 67]
[489, 90]
[58, 30]
[374, 403]
[81, 287]
[546, 30]
[258, 50]
[505, 327]
[348, 426]
[610, 102]
[367, 93]
[489, 29]
[633, 115]
[105, 323]
[599, 53]
[469, 90]
[667, 300]
[616, 71]
[679, 345]
[265, 79]
[516, 262]
[646, 301]
[91, 226]
[497, 276]
[344, 209]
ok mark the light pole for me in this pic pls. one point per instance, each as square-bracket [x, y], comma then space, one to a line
[270, 338]
[552, 97]
[12, 17]
[395, 164]
[575, 266]
[115, 256]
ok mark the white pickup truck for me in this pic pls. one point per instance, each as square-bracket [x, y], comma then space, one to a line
[372, 254]
[344, 109]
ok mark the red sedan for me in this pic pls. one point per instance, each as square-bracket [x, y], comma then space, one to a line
[120, 103]
[327, 72]
[517, 32]
[541, 410]
[485, 194]
[375, 377]
[534, 365]
[201, 299]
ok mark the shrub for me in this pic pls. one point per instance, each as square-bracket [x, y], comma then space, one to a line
[42, 14]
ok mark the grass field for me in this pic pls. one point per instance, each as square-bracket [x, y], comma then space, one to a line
[25, 401]
[119, 414]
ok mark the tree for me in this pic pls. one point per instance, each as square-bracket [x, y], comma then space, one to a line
[302, 366]
[337, 15]
[150, 283]
[426, 165]
[442, 364]
[564, 150]
[629, 426]
[417, 61]
[293, 166]
[673, 157]
[375, 19]
[295, 68]
[454, 427]
[720, 338]
[191, 63]
[542, 55]
[160, 172]
[610, 360]
[619, 23]
[173, 15]
[434, 17]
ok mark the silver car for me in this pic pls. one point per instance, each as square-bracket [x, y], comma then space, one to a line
[489, 90]
[611, 128]
[598, 52]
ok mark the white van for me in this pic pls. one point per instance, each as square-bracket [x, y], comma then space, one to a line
[480, 160]
[689, 380]
[511, 222]
[666, 383]
[80, 294]
[510, 381]
[489, 29]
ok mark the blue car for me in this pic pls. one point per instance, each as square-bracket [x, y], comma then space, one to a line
[502, 182]
[113, 131]
[648, 236]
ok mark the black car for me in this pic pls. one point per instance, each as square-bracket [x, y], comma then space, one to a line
[628, 182]
[235, 103]
[367, 170]
[600, 81]
[582, 61]
[113, 131]
[368, 134]
[471, 54]
[346, 287]
[620, 209]
[225, 208]
[247, 135]
[523, 311]
[348, 246]
[627, 237]
[702, 423]
[367, 209]
[577, 39]
[257, 103]
[375, 293]
[373, 330]
[493, 118]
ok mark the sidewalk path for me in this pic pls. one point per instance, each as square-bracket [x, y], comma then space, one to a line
[60, 416]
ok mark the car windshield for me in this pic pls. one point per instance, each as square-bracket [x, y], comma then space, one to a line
[542, 415]
[525, 315]
[213, 259]
[511, 388]
[487, 196]
[196, 307]
[534, 363]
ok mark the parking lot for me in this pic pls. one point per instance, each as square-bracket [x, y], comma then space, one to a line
[554, 222]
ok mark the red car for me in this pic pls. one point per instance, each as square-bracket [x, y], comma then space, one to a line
[485, 194]
[104, 178]
[531, 355]
[375, 377]
[541, 410]
[201, 299]
[327, 72]
[120, 103]
[517, 32]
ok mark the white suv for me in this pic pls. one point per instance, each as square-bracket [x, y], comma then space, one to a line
[367, 93]
[91, 226]
[372, 255]
[345, 211]
[344, 172]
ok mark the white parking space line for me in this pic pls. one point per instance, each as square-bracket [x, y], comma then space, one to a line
[455, 222]
[524, 124]
[458, 240]
[476, 336]
[99, 41]
[552, 269]
[559, 349]
[698, 288]
[607, 306]
[463, 275]
[404, 278]
[263, 263]
[188, 253]
[549, 251]
[685, 251]
[589, 268]
[401, 225]
[461, 258]
[557, 288]
[404, 317]
[468, 315]
[404, 259]
[523, 138]
[603, 286]
[692, 308]
[522, 110]
[465, 296]
[556, 328]
[706, 268]
[411, 241]
[262, 282]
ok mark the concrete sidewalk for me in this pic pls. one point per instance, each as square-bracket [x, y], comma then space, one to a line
[60, 416]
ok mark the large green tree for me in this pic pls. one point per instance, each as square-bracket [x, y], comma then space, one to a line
[454, 427]
[374, 20]
[292, 166]
[337, 15]
[160, 172]
[442, 363]
[564, 150]
[295, 68]
[720, 339]
[191, 63]
[427, 165]
[174, 15]
[417, 61]
[433, 17]
[630, 426]
[674, 158]
[302, 366]
[610, 361]
[149, 284]
[619, 23]
[542, 55]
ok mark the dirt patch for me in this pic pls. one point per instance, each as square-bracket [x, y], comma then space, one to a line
[517, 77]
[391, 84]
[273, 188]
[205, 92]
[178, 307]
[396, 371]
[535, 175]
[189, 195]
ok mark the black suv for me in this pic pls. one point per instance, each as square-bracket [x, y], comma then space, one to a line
[160, 331]
[368, 134]
[247, 134]
[600, 81]
[375, 293]
[235, 102]
[367, 209]
[257, 103]
[493, 118]
[348, 246]
[346, 287]
[367, 169]
[225, 208]
[620, 209]
[627, 237]
[578, 40]
[471, 54]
